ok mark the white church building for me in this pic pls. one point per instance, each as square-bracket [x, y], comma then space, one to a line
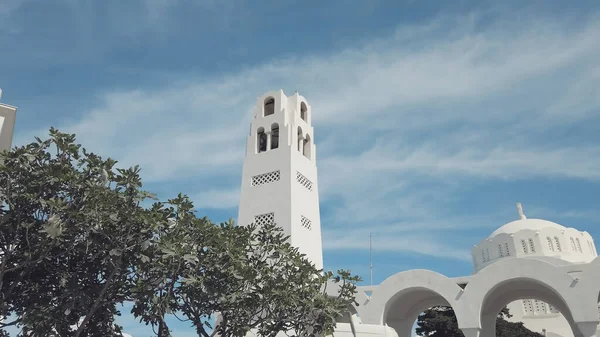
[546, 274]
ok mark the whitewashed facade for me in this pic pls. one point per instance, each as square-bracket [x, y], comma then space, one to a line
[279, 177]
[8, 115]
[547, 274]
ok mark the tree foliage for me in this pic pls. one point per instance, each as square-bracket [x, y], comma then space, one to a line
[441, 322]
[76, 241]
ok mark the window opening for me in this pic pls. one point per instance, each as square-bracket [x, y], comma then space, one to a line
[269, 106]
[262, 140]
[303, 112]
[266, 178]
[524, 244]
[274, 136]
[307, 147]
[300, 141]
[550, 245]
[531, 246]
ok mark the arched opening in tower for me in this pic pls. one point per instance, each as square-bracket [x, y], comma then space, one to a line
[300, 140]
[269, 107]
[303, 112]
[274, 136]
[307, 146]
[261, 140]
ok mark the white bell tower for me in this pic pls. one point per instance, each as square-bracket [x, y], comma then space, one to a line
[279, 179]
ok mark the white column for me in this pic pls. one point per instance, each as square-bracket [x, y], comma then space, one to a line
[470, 332]
[587, 329]
[403, 327]
[268, 140]
[488, 325]
[301, 144]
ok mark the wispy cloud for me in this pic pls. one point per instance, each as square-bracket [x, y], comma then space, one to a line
[8, 6]
[399, 120]
[217, 198]
[413, 244]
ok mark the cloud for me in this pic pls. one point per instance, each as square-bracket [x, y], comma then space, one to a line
[217, 198]
[414, 244]
[400, 120]
[9, 6]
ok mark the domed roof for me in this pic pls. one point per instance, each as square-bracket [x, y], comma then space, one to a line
[532, 224]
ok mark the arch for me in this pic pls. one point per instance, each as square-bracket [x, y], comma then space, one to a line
[512, 279]
[307, 147]
[588, 280]
[333, 289]
[268, 106]
[404, 295]
[346, 317]
[303, 112]
[274, 136]
[261, 140]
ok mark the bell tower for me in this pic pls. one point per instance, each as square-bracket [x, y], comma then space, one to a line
[279, 178]
[7, 124]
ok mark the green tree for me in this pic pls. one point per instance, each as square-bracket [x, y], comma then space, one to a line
[72, 227]
[441, 322]
[75, 242]
[249, 277]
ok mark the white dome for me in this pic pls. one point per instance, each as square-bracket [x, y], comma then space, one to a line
[532, 224]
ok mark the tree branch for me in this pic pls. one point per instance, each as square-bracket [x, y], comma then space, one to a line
[97, 302]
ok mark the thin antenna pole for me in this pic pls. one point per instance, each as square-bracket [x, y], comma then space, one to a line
[371, 259]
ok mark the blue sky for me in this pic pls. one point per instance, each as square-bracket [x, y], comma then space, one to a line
[431, 119]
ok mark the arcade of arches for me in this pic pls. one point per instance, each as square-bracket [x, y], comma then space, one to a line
[477, 299]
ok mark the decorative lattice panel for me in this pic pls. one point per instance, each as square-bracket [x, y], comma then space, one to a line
[264, 219]
[528, 307]
[550, 244]
[540, 307]
[304, 181]
[305, 222]
[265, 178]
[531, 246]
